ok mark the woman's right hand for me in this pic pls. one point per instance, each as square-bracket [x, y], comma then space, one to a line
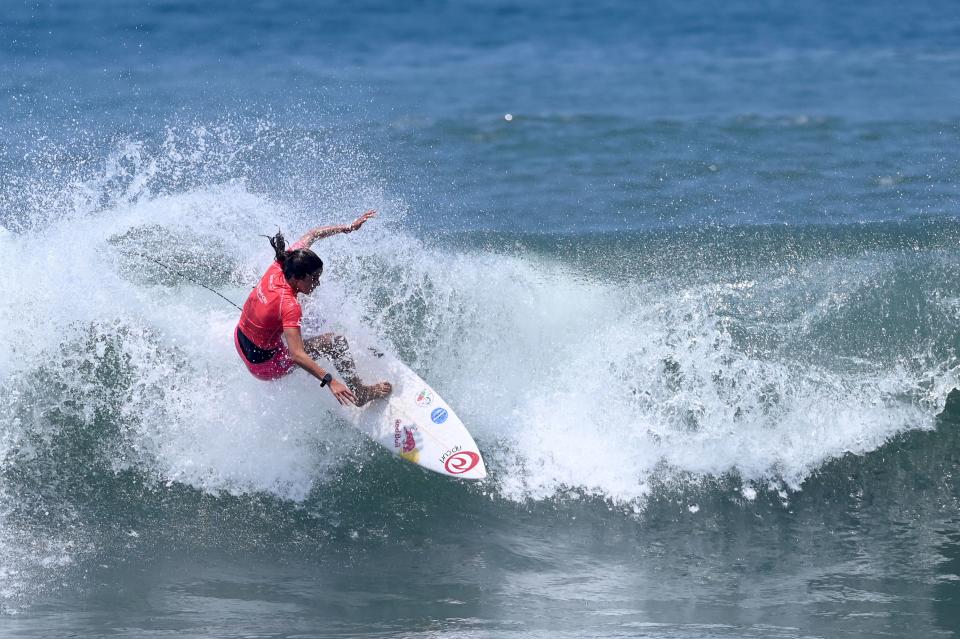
[357, 223]
[343, 394]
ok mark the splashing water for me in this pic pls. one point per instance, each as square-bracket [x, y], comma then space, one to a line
[570, 380]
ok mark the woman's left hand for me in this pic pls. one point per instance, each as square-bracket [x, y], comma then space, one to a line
[357, 223]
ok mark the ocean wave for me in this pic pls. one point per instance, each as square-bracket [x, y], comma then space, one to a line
[611, 368]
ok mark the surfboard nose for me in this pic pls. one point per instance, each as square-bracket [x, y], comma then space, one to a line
[481, 473]
[477, 472]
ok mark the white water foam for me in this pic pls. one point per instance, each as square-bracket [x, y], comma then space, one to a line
[570, 381]
[573, 383]
[566, 381]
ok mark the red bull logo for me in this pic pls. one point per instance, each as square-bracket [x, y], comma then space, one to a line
[409, 443]
[407, 440]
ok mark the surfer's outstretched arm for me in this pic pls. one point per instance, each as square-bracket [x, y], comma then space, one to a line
[302, 359]
[321, 232]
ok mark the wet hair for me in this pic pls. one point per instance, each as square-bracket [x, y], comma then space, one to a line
[297, 263]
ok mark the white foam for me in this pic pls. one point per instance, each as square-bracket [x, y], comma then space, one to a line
[567, 382]
[574, 383]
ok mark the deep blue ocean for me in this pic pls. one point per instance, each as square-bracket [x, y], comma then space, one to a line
[686, 270]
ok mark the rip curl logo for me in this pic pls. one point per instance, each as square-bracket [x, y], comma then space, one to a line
[407, 439]
[460, 462]
[425, 398]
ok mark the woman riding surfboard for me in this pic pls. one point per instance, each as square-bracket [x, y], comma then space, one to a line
[268, 337]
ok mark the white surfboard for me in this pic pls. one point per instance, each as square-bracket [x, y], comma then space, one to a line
[414, 422]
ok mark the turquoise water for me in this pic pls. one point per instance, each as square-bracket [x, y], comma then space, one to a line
[687, 272]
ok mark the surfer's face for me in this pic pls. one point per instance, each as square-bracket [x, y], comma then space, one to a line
[308, 283]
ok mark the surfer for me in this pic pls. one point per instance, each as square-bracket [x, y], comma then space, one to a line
[272, 311]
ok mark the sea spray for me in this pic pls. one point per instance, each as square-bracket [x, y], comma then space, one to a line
[544, 361]
[576, 376]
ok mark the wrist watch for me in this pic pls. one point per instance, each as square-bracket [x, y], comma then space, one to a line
[325, 380]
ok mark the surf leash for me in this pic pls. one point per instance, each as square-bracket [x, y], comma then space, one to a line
[183, 275]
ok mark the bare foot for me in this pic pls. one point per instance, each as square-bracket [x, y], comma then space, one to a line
[366, 394]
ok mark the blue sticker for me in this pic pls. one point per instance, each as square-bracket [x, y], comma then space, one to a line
[439, 415]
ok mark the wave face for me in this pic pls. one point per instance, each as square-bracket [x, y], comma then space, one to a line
[623, 368]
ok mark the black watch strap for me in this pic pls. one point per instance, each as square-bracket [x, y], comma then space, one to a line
[326, 380]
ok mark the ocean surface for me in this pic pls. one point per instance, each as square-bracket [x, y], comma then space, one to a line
[687, 271]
